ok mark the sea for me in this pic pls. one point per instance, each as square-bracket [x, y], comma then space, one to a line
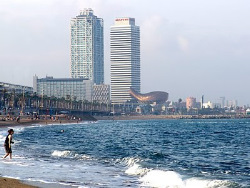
[183, 153]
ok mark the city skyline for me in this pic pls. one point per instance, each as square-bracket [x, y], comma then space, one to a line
[187, 48]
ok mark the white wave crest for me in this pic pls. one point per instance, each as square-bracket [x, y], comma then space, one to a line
[57, 153]
[12, 162]
[2, 138]
[86, 157]
[171, 179]
[128, 161]
[83, 157]
[159, 178]
[198, 183]
[136, 169]
[3, 134]
[17, 129]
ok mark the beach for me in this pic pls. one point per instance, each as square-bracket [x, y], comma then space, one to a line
[26, 121]
[13, 183]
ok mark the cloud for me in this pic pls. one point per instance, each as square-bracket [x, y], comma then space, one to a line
[154, 33]
[183, 43]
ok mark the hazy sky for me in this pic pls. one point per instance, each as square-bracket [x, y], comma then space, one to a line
[188, 48]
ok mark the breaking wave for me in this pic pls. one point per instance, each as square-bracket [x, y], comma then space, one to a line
[168, 179]
[134, 167]
[57, 153]
[171, 179]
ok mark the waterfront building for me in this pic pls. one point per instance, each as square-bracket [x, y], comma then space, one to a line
[248, 111]
[8, 94]
[222, 102]
[87, 49]
[101, 93]
[158, 97]
[209, 104]
[14, 88]
[191, 103]
[125, 59]
[73, 88]
[232, 103]
[202, 101]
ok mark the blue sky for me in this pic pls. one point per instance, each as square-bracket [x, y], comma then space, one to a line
[188, 48]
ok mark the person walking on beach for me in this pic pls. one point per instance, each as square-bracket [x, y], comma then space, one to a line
[7, 144]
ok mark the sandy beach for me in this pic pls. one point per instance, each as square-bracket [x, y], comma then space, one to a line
[29, 122]
[13, 183]
[44, 120]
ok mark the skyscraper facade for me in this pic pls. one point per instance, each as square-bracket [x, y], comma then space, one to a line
[125, 59]
[87, 50]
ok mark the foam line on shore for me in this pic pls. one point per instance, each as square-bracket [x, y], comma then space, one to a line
[165, 178]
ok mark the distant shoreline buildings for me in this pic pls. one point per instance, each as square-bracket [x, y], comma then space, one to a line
[86, 79]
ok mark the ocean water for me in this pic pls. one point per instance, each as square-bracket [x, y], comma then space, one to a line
[137, 153]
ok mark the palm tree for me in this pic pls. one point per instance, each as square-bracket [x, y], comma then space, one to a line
[53, 102]
[35, 99]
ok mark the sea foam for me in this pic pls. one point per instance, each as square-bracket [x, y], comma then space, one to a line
[171, 179]
[159, 178]
[3, 135]
[134, 168]
[57, 153]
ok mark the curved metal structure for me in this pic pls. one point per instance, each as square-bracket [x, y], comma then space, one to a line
[155, 96]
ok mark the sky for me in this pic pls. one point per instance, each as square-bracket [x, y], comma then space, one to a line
[188, 48]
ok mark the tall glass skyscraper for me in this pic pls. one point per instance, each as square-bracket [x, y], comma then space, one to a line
[125, 59]
[87, 51]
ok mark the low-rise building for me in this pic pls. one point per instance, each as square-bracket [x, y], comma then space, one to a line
[209, 104]
[101, 93]
[73, 88]
[17, 89]
[248, 111]
[190, 102]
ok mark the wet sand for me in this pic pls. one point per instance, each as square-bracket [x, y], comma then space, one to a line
[13, 183]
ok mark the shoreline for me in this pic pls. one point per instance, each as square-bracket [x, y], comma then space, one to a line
[33, 122]
[29, 122]
[174, 117]
[44, 121]
[16, 183]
